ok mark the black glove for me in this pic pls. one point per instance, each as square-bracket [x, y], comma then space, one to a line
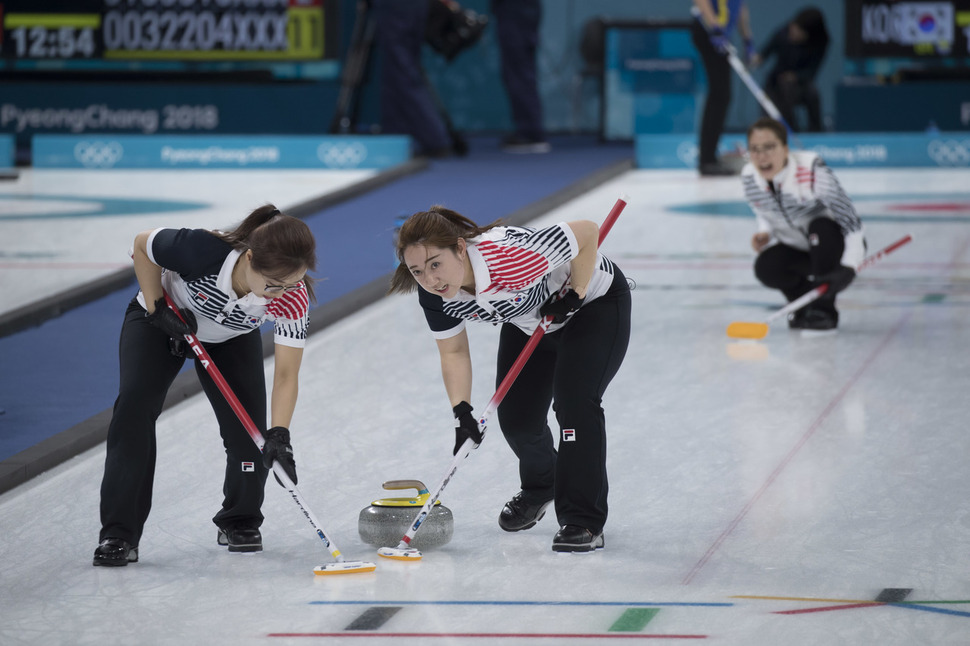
[749, 51]
[719, 40]
[838, 279]
[168, 321]
[277, 449]
[466, 426]
[561, 309]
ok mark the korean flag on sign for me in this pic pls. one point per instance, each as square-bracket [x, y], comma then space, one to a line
[923, 22]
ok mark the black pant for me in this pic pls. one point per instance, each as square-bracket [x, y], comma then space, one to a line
[518, 37]
[789, 269]
[148, 369]
[787, 94]
[573, 367]
[407, 103]
[718, 72]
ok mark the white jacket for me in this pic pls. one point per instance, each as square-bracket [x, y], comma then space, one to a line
[805, 189]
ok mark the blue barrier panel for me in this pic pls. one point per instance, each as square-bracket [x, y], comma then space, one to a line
[264, 151]
[873, 150]
[679, 150]
[651, 77]
[157, 107]
[7, 148]
[916, 105]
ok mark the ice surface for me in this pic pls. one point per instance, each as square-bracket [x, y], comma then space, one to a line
[761, 492]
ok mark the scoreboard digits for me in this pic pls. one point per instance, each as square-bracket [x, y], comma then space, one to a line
[50, 35]
[183, 30]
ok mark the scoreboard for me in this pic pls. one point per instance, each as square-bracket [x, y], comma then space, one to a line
[92, 31]
[907, 29]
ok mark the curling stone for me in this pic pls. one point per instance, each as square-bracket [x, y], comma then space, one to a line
[385, 521]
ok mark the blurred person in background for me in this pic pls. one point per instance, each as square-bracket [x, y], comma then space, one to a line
[714, 23]
[518, 37]
[798, 48]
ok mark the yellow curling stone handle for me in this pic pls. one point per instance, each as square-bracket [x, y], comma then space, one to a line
[417, 501]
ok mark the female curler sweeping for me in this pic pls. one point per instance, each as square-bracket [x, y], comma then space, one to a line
[515, 276]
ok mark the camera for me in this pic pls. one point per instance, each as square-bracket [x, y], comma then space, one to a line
[450, 28]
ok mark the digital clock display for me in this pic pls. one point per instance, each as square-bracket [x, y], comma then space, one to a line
[182, 30]
[50, 35]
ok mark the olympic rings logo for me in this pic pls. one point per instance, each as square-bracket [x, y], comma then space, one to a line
[687, 153]
[98, 154]
[342, 155]
[949, 152]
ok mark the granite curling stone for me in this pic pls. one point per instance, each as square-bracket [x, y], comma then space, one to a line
[385, 521]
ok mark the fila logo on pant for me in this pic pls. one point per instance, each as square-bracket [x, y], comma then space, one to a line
[568, 435]
[249, 467]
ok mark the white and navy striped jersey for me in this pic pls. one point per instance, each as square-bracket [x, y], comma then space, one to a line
[805, 189]
[516, 270]
[197, 273]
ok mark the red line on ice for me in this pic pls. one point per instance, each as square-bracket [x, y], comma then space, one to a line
[791, 454]
[828, 608]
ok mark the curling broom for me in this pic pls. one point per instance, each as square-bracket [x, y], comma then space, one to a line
[339, 566]
[749, 330]
[403, 551]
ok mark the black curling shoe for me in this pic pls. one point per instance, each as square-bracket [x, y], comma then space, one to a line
[241, 539]
[820, 320]
[814, 319]
[519, 514]
[573, 538]
[115, 552]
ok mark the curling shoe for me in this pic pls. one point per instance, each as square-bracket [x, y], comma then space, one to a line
[241, 539]
[811, 319]
[115, 552]
[716, 169]
[521, 144]
[796, 320]
[573, 538]
[519, 514]
[820, 320]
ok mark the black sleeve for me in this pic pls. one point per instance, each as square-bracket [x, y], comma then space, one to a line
[434, 311]
[191, 253]
[773, 45]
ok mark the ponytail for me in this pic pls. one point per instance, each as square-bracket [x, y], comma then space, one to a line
[281, 244]
[237, 237]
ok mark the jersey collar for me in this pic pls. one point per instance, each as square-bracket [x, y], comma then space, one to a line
[483, 277]
[224, 283]
[224, 280]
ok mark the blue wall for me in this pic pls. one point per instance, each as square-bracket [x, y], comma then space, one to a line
[471, 87]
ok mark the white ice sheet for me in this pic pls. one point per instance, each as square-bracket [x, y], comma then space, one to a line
[761, 492]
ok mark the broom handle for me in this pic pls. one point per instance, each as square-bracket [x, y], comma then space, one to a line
[247, 422]
[499, 395]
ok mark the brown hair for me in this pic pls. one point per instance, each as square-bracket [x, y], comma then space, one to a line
[436, 227]
[281, 244]
[812, 21]
[767, 123]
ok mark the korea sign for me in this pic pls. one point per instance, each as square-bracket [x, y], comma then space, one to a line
[919, 28]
